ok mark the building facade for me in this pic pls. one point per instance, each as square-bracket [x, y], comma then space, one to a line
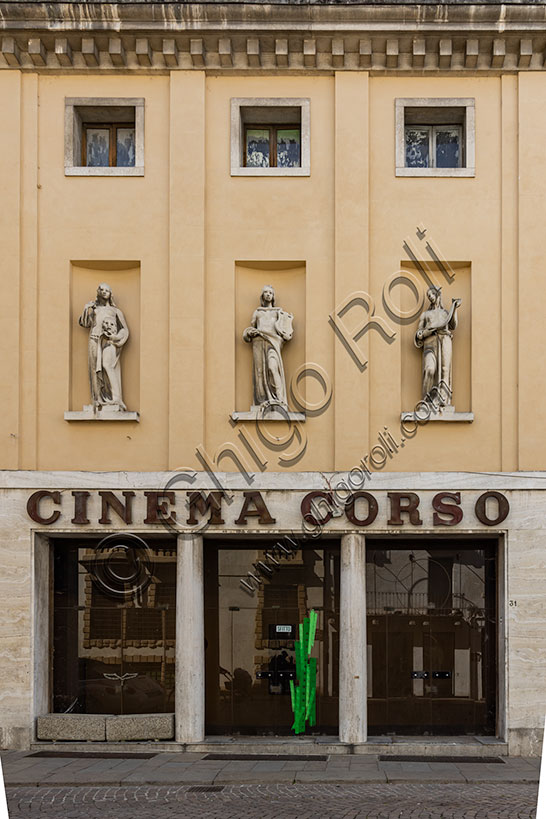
[271, 320]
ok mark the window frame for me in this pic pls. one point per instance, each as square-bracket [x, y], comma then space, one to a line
[467, 158]
[242, 113]
[273, 128]
[80, 111]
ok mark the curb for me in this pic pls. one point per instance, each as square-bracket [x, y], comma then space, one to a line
[345, 781]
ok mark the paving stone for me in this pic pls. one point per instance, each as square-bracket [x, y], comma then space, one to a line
[248, 765]
[177, 769]
[268, 801]
[255, 777]
[424, 776]
[272, 765]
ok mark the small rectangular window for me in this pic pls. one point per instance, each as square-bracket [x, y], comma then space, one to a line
[108, 145]
[270, 136]
[104, 136]
[435, 136]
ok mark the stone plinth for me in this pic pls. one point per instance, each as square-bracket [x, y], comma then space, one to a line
[265, 413]
[72, 727]
[90, 413]
[140, 727]
[447, 413]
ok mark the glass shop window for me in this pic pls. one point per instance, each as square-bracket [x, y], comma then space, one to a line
[108, 145]
[432, 635]
[113, 630]
[250, 640]
[433, 146]
[272, 146]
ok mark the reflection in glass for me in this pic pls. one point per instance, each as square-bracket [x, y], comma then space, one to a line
[431, 627]
[98, 147]
[249, 654]
[125, 147]
[448, 147]
[417, 147]
[112, 655]
[257, 147]
[288, 148]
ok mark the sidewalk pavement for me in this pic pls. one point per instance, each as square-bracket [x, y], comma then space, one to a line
[22, 769]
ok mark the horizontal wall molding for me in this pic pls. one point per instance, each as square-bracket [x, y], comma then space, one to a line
[257, 37]
[283, 481]
[375, 54]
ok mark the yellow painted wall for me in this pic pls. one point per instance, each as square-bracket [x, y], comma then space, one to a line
[188, 248]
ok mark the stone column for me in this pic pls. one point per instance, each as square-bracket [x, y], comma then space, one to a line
[190, 640]
[352, 644]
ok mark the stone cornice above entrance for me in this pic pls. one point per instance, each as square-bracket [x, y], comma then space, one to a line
[190, 479]
[258, 37]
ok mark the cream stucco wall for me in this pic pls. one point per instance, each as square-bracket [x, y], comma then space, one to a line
[185, 230]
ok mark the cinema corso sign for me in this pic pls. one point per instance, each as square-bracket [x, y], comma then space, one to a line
[272, 509]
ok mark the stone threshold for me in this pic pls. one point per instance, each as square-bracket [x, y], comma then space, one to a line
[418, 746]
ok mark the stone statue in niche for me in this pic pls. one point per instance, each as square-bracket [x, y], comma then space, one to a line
[270, 328]
[108, 332]
[435, 337]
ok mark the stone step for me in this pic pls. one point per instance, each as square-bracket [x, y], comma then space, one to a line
[410, 746]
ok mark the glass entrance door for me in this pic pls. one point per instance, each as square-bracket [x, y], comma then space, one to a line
[249, 648]
[432, 638]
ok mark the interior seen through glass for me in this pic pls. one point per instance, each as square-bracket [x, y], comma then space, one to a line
[250, 639]
[430, 146]
[431, 635]
[431, 627]
[113, 648]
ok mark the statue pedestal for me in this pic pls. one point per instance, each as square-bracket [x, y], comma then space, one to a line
[447, 413]
[268, 413]
[104, 413]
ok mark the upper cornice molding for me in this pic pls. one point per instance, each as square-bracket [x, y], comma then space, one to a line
[292, 36]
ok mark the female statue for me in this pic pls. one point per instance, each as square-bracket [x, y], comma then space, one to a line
[434, 336]
[270, 328]
[108, 332]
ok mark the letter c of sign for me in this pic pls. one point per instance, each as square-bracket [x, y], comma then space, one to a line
[308, 507]
[33, 507]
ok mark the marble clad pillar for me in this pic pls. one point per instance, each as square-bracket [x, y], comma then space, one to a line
[353, 721]
[190, 640]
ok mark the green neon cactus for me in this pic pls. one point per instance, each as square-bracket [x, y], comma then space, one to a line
[304, 694]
